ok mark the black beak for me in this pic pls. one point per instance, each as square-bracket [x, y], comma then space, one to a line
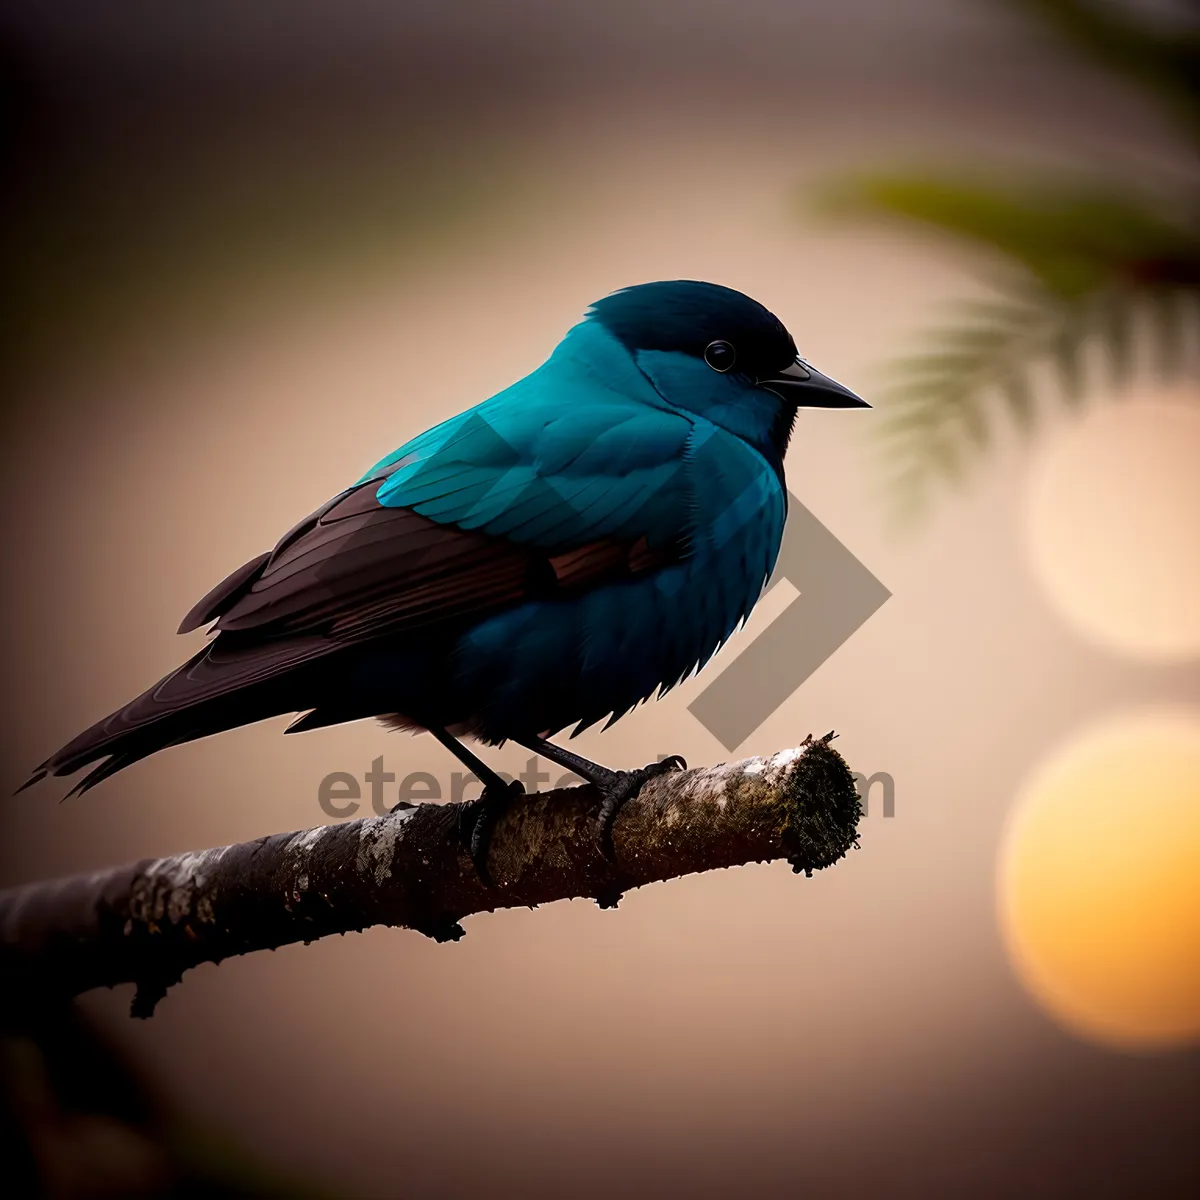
[805, 387]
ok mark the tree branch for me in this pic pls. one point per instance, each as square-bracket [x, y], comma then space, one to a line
[149, 922]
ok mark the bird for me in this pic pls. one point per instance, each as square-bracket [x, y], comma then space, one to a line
[546, 560]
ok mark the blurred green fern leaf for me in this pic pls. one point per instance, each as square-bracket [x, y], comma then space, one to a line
[1079, 273]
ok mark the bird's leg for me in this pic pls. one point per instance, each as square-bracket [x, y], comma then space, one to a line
[615, 787]
[477, 817]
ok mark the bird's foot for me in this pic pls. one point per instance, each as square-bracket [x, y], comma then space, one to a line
[618, 789]
[477, 819]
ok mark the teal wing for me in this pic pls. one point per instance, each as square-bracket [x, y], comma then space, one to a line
[504, 503]
[551, 471]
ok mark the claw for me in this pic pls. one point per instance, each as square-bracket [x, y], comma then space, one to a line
[620, 789]
[477, 819]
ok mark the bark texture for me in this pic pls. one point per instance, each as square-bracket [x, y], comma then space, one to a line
[149, 922]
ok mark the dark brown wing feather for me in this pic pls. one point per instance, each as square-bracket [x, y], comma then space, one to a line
[224, 595]
[352, 571]
[359, 569]
[360, 566]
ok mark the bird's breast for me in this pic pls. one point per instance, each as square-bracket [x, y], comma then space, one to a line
[577, 659]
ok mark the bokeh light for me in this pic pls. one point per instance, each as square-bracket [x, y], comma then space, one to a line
[1113, 524]
[1098, 890]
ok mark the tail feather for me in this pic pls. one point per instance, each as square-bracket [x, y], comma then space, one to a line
[107, 735]
[226, 684]
[109, 766]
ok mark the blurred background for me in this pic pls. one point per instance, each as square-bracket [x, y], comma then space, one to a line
[248, 249]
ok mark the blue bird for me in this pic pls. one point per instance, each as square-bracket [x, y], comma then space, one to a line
[549, 558]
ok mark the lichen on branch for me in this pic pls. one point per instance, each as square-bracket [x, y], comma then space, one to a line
[149, 922]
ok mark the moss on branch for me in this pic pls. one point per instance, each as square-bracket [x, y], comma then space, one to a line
[149, 922]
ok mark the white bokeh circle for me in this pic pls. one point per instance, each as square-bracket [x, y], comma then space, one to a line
[1112, 521]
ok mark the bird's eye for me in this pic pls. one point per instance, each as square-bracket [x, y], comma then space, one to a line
[720, 355]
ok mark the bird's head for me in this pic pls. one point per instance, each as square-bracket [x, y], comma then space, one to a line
[713, 351]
